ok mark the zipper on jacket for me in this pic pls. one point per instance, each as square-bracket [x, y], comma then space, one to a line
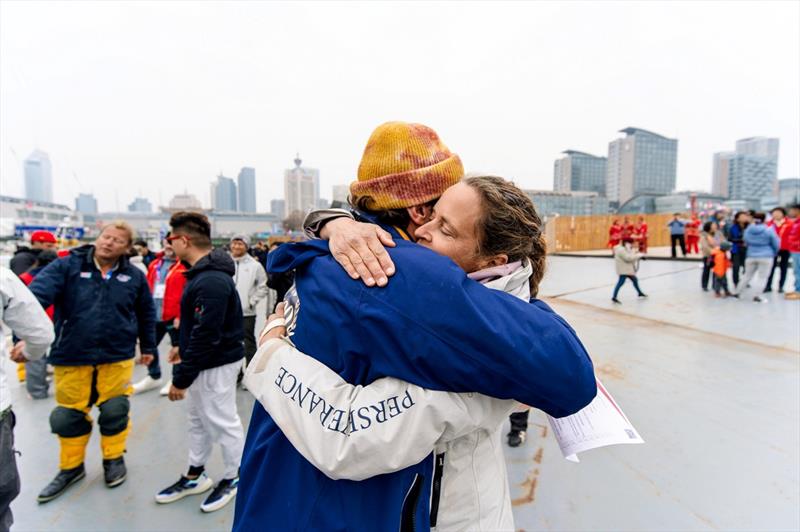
[438, 471]
[61, 333]
[408, 514]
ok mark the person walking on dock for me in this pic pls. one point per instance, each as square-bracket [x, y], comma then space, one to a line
[626, 262]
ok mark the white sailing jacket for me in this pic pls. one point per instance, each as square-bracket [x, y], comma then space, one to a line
[391, 425]
[251, 282]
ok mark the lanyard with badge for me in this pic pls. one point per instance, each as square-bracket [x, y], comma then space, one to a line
[160, 288]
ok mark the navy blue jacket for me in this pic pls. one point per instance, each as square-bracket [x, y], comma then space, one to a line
[737, 238]
[431, 326]
[211, 331]
[97, 321]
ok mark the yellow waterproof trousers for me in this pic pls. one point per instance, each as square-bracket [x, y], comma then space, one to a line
[77, 389]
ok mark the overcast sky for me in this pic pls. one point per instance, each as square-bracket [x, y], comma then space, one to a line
[154, 98]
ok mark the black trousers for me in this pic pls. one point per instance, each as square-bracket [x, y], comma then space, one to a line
[721, 285]
[519, 421]
[679, 239]
[162, 329]
[249, 337]
[781, 261]
[708, 263]
[738, 259]
[9, 474]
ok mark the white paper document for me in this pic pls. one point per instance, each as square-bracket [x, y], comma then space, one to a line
[600, 424]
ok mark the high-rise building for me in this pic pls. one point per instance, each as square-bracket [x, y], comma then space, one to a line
[752, 177]
[760, 146]
[86, 204]
[140, 205]
[185, 202]
[579, 171]
[300, 188]
[341, 193]
[789, 191]
[561, 203]
[642, 162]
[223, 194]
[750, 173]
[38, 177]
[247, 189]
[721, 170]
[278, 208]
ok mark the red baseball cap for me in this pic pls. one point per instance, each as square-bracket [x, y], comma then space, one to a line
[43, 236]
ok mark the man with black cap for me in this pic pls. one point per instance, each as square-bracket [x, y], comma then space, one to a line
[251, 283]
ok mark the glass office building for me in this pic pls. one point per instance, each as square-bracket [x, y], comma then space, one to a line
[642, 162]
[580, 171]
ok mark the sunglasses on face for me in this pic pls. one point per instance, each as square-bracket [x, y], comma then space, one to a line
[172, 238]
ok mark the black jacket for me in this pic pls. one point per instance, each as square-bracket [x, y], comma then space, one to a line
[22, 260]
[211, 331]
[97, 321]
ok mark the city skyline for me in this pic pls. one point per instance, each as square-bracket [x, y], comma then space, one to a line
[508, 103]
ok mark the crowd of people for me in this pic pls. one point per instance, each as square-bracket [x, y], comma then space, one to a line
[440, 394]
[751, 245]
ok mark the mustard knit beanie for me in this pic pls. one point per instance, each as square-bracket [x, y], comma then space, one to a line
[404, 165]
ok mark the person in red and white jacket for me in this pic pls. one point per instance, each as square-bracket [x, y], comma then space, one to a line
[781, 224]
[166, 280]
[793, 246]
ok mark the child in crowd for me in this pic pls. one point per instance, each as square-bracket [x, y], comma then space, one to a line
[722, 263]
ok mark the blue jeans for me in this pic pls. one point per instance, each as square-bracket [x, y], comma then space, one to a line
[36, 378]
[162, 328]
[796, 270]
[621, 281]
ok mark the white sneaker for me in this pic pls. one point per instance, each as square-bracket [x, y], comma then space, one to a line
[184, 487]
[165, 390]
[146, 384]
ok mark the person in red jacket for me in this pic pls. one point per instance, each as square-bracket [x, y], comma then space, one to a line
[781, 224]
[614, 234]
[166, 280]
[627, 228]
[693, 235]
[793, 246]
[640, 234]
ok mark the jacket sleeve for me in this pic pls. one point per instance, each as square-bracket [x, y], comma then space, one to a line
[260, 291]
[775, 241]
[210, 303]
[49, 284]
[360, 431]
[25, 316]
[146, 318]
[316, 220]
[629, 256]
[454, 334]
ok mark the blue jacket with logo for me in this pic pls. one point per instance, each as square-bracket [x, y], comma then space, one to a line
[431, 326]
[96, 320]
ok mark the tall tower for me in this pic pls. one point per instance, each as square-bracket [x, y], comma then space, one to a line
[38, 177]
[300, 187]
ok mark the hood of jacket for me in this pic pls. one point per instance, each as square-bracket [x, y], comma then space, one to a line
[517, 283]
[217, 260]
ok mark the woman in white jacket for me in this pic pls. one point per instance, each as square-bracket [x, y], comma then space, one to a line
[490, 228]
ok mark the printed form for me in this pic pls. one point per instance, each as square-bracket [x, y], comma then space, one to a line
[600, 424]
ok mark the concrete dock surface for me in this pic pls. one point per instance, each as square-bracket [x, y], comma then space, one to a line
[712, 385]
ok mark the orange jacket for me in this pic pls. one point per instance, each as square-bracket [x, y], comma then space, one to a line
[721, 262]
